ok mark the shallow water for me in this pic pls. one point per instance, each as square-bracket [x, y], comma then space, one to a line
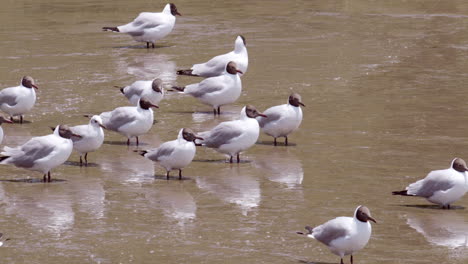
[384, 85]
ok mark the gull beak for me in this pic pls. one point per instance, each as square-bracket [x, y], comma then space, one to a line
[200, 138]
[372, 219]
[302, 104]
[239, 71]
[4, 120]
[76, 135]
[101, 125]
[178, 14]
[37, 88]
[155, 106]
[260, 114]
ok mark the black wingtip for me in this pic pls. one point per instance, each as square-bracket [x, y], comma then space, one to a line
[52, 128]
[4, 158]
[186, 72]
[309, 229]
[122, 90]
[178, 88]
[115, 29]
[141, 152]
[404, 193]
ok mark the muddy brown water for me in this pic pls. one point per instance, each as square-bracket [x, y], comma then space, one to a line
[384, 83]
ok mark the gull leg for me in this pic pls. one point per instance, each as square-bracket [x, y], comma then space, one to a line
[448, 206]
[44, 178]
[147, 45]
[138, 142]
[128, 142]
[153, 45]
[21, 119]
[219, 110]
[275, 142]
[238, 159]
[230, 160]
[48, 176]
[351, 259]
[11, 119]
[81, 161]
[341, 261]
[214, 111]
[86, 158]
[286, 140]
[180, 174]
[167, 175]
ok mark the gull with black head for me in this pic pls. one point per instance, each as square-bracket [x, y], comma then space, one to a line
[130, 121]
[150, 27]
[151, 90]
[217, 91]
[233, 137]
[282, 119]
[215, 66]
[41, 153]
[442, 187]
[344, 235]
[175, 154]
[18, 100]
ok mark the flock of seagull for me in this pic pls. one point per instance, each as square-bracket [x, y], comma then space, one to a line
[222, 85]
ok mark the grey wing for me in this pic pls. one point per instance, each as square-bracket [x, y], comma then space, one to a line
[207, 86]
[141, 23]
[162, 151]
[429, 186]
[33, 150]
[271, 117]
[131, 91]
[221, 135]
[79, 130]
[118, 118]
[330, 231]
[8, 99]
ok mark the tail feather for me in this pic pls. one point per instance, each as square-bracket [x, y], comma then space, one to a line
[309, 231]
[186, 72]
[404, 193]
[4, 158]
[114, 29]
[178, 88]
[52, 128]
[141, 152]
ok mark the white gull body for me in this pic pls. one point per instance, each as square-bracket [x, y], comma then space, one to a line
[92, 136]
[175, 154]
[2, 120]
[39, 153]
[130, 121]
[233, 137]
[18, 100]
[441, 187]
[151, 90]
[150, 27]
[216, 65]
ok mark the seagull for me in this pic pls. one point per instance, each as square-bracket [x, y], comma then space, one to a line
[152, 90]
[215, 66]
[233, 137]
[441, 187]
[175, 154]
[130, 121]
[41, 153]
[2, 120]
[217, 91]
[92, 137]
[15, 101]
[150, 27]
[282, 119]
[344, 235]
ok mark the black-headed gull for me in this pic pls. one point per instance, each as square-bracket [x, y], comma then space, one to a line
[3, 120]
[282, 119]
[130, 121]
[92, 137]
[152, 91]
[41, 153]
[217, 91]
[150, 27]
[16, 101]
[175, 154]
[215, 66]
[233, 137]
[344, 235]
[441, 187]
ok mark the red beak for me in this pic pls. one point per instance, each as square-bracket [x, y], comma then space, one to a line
[239, 71]
[260, 114]
[178, 14]
[155, 106]
[37, 88]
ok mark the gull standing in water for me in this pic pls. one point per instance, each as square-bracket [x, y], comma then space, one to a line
[41, 153]
[282, 119]
[233, 137]
[130, 121]
[3, 120]
[215, 66]
[15, 101]
[150, 27]
[151, 90]
[441, 187]
[175, 154]
[217, 91]
[344, 235]
[92, 137]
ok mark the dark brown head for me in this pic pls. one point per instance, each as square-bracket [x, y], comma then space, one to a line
[363, 214]
[144, 104]
[231, 68]
[252, 112]
[174, 11]
[157, 85]
[295, 100]
[459, 165]
[189, 135]
[4, 120]
[28, 82]
[65, 132]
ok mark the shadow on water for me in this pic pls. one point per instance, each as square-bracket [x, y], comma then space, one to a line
[220, 161]
[203, 112]
[174, 177]
[31, 180]
[124, 143]
[278, 144]
[432, 206]
[16, 121]
[142, 47]
[314, 262]
[77, 164]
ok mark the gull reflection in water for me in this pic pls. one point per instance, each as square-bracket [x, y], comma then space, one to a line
[174, 200]
[282, 166]
[444, 228]
[148, 66]
[233, 185]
